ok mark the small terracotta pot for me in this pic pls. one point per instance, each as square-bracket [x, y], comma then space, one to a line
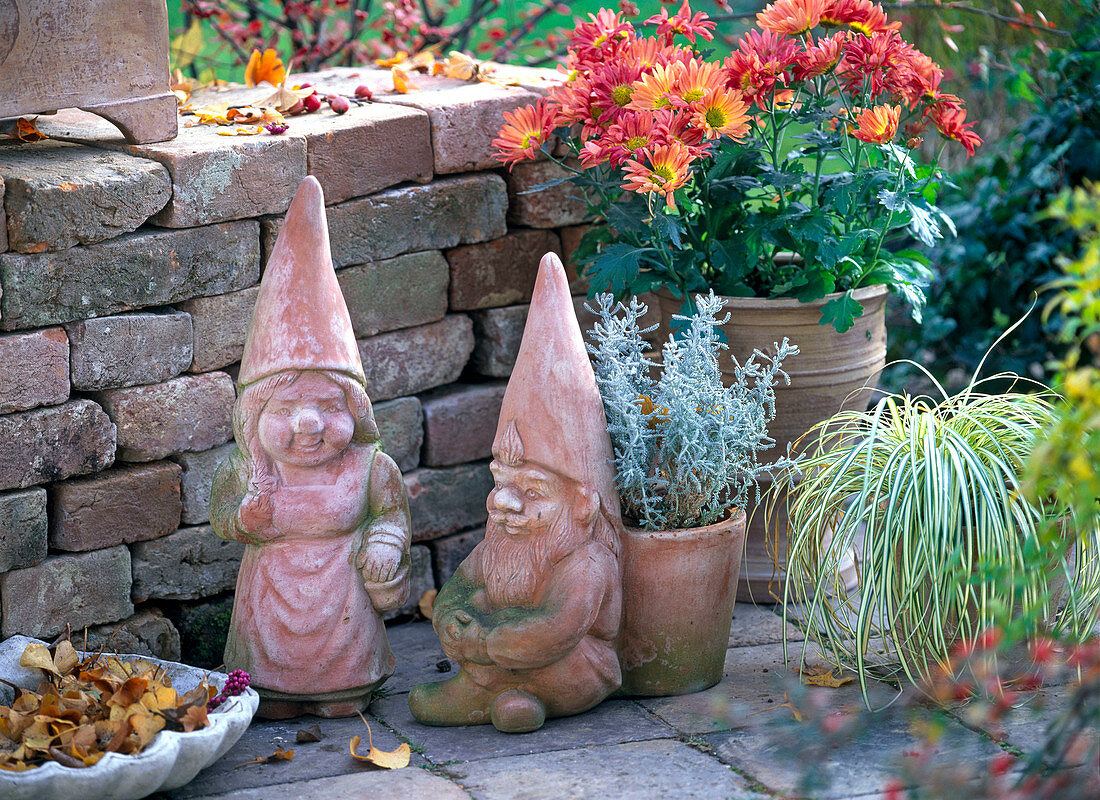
[679, 587]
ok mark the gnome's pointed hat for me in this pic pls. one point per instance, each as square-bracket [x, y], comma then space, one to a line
[552, 413]
[301, 320]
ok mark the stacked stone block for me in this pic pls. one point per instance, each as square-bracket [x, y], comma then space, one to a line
[128, 277]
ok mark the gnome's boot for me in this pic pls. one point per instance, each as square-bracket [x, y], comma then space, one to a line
[455, 701]
[517, 711]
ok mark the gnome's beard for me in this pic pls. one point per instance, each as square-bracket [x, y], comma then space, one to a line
[513, 565]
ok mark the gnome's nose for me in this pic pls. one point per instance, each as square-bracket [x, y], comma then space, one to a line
[507, 499]
[307, 421]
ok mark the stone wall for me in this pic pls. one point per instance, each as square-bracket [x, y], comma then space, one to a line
[129, 274]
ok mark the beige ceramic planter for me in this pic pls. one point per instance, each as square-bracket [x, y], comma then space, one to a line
[833, 372]
[679, 588]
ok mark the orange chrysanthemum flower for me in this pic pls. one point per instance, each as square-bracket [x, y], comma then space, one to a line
[820, 57]
[265, 66]
[653, 90]
[683, 22]
[633, 133]
[861, 16]
[525, 131]
[950, 121]
[695, 78]
[613, 87]
[598, 41]
[721, 112]
[668, 169]
[791, 17]
[876, 125]
[649, 52]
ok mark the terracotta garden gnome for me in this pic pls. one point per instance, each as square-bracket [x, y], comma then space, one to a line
[532, 615]
[322, 509]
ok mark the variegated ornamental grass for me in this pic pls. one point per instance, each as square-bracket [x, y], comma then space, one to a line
[949, 545]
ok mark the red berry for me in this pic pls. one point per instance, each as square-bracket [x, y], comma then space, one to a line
[363, 92]
[305, 85]
[339, 104]
[313, 102]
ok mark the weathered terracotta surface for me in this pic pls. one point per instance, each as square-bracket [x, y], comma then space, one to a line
[109, 57]
[532, 615]
[309, 490]
[679, 587]
[833, 371]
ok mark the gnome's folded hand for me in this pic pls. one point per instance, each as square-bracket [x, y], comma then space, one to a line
[379, 561]
[255, 514]
[463, 637]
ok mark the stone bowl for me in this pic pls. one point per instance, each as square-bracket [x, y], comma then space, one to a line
[172, 760]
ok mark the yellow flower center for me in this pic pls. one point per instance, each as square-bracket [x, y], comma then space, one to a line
[662, 174]
[620, 95]
[860, 27]
[530, 138]
[716, 117]
[636, 142]
[691, 95]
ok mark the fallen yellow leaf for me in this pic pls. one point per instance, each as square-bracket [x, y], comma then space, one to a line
[461, 66]
[397, 58]
[426, 605]
[823, 676]
[241, 131]
[38, 655]
[279, 755]
[23, 130]
[401, 81]
[423, 61]
[380, 758]
[265, 66]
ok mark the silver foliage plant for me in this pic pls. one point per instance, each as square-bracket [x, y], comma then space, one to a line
[685, 446]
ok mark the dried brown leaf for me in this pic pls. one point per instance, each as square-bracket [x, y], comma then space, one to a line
[65, 658]
[37, 656]
[311, 733]
[426, 604]
[279, 755]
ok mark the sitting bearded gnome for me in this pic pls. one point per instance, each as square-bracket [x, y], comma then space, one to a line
[533, 613]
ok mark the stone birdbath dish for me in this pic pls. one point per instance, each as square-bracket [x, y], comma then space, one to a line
[171, 761]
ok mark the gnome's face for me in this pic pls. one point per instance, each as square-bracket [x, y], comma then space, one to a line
[306, 423]
[526, 499]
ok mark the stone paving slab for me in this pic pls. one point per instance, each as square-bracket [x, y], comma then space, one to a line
[613, 722]
[664, 768]
[312, 760]
[750, 692]
[419, 656]
[776, 756]
[1026, 726]
[404, 784]
[754, 624]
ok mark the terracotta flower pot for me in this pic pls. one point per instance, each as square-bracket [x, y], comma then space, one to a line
[833, 372]
[679, 587]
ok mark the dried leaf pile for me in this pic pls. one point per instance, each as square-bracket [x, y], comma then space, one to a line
[88, 707]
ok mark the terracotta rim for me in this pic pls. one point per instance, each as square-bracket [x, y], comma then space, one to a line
[768, 303]
[736, 520]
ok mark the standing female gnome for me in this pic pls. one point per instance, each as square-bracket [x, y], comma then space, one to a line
[322, 509]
